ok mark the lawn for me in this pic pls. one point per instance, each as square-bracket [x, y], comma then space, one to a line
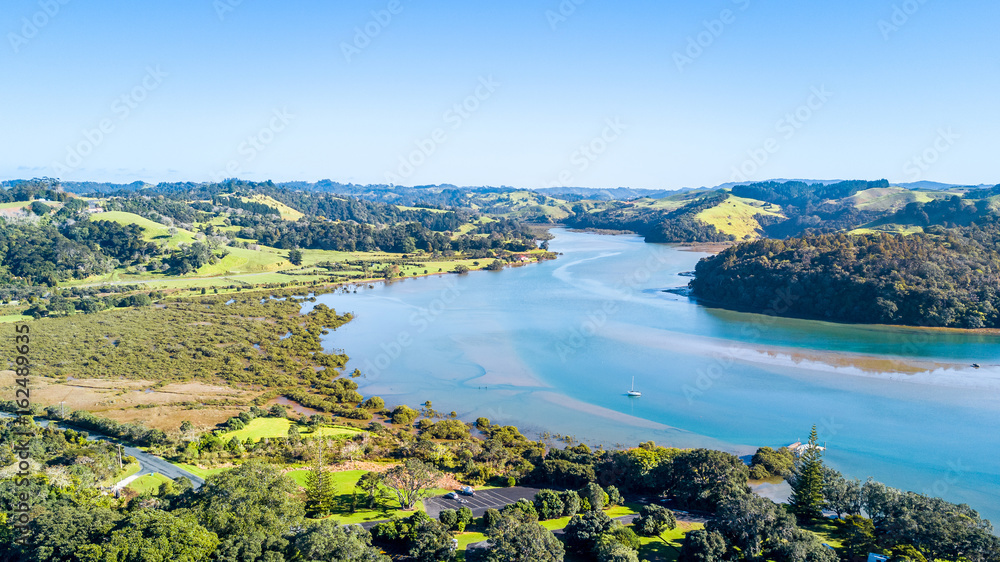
[148, 482]
[270, 428]
[343, 484]
[668, 547]
[10, 318]
[827, 532]
[122, 474]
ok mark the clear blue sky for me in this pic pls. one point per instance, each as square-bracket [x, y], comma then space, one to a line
[279, 72]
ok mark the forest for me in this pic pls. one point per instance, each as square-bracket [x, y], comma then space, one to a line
[945, 277]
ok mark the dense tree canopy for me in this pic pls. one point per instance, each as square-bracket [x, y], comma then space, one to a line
[950, 277]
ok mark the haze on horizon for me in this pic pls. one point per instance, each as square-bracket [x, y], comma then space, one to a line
[525, 94]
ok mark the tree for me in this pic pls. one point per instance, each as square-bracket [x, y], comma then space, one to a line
[595, 495]
[653, 520]
[431, 542]
[448, 518]
[571, 503]
[252, 508]
[370, 483]
[150, 535]
[320, 491]
[490, 518]
[295, 257]
[328, 541]
[410, 481]
[610, 550]
[704, 479]
[702, 545]
[807, 486]
[465, 517]
[802, 547]
[767, 462]
[753, 524]
[60, 532]
[548, 504]
[614, 497]
[841, 495]
[583, 531]
[514, 539]
[859, 535]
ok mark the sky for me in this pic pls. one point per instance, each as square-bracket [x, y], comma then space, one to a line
[529, 94]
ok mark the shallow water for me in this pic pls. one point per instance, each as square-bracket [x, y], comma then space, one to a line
[554, 346]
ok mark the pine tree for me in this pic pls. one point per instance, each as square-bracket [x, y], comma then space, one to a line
[319, 488]
[807, 486]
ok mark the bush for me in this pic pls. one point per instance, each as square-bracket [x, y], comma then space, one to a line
[373, 403]
[571, 503]
[490, 518]
[448, 517]
[549, 505]
[404, 415]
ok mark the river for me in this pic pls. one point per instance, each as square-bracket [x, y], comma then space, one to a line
[553, 347]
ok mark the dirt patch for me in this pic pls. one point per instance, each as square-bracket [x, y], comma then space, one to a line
[169, 418]
[136, 400]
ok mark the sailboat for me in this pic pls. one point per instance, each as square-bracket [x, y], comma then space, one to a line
[634, 392]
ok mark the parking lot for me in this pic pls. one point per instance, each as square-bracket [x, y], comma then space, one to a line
[484, 499]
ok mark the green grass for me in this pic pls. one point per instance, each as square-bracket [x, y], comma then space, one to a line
[269, 428]
[827, 532]
[667, 547]
[9, 318]
[148, 482]
[736, 215]
[343, 484]
[465, 539]
[122, 474]
[16, 205]
[287, 213]
[151, 230]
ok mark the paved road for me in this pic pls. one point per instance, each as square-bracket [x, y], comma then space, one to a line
[149, 463]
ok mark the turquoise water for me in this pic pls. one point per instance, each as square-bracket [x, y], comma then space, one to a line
[553, 347]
